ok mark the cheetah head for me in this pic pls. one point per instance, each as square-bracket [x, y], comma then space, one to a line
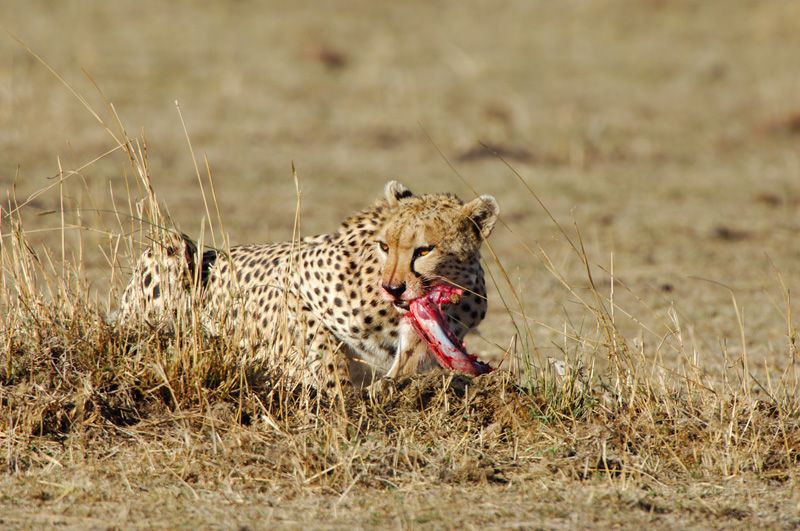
[430, 240]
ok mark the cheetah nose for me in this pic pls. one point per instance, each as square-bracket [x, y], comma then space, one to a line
[394, 291]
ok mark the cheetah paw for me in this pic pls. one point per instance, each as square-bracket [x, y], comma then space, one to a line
[382, 389]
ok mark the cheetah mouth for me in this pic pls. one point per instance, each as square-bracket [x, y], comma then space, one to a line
[426, 317]
[402, 305]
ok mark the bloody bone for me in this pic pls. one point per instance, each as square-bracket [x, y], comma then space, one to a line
[425, 315]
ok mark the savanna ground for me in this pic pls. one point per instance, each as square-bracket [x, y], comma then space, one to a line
[662, 137]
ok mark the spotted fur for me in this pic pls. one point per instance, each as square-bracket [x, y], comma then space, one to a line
[338, 297]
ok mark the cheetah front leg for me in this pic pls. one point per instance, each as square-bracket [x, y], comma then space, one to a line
[411, 356]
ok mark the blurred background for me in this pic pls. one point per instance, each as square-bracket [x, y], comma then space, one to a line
[666, 131]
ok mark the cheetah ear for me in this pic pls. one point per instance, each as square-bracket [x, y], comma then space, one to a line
[482, 212]
[396, 191]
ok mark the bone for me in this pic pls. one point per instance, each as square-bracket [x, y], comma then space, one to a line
[425, 315]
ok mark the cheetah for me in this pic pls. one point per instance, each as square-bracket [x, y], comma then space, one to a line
[342, 296]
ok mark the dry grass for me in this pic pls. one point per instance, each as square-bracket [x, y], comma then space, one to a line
[177, 410]
[633, 392]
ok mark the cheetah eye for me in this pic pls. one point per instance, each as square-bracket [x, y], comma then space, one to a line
[383, 246]
[422, 251]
